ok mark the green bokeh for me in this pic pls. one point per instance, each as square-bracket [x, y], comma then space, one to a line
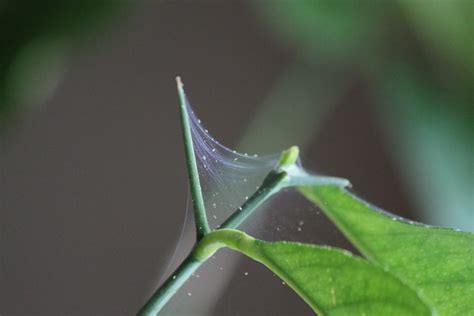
[36, 37]
[418, 61]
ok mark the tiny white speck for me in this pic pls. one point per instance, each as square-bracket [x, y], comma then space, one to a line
[235, 159]
[299, 229]
[214, 216]
[246, 273]
[206, 131]
[190, 294]
[246, 197]
[301, 223]
[199, 121]
[174, 277]
[284, 283]
[245, 179]
[213, 149]
[214, 205]
[204, 157]
[221, 268]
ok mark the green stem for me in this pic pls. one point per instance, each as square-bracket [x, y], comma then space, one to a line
[170, 287]
[269, 187]
[202, 226]
[209, 244]
[230, 238]
[204, 249]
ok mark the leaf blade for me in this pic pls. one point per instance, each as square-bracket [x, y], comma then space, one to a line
[437, 261]
[330, 280]
[339, 283]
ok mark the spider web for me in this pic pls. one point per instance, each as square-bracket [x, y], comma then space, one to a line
[228, 178]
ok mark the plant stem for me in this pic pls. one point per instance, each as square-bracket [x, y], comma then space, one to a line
[230, 238]
[269, 186]
[202, 225]
[163, 294]
[170, 287]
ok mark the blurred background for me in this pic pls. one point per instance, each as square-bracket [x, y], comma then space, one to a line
[92, 172]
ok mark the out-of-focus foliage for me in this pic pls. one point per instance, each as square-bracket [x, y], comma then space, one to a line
[418, 61]
[337, 31]
[446, 27]
[375, 32]
[432, 129]
[36, 37]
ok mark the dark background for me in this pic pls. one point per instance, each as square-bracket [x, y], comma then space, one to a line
[93, 180]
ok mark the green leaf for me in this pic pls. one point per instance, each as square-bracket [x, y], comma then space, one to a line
[331, 281]
[438, 262]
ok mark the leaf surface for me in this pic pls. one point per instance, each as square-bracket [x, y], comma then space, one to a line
[438, 262]
[330, 280]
